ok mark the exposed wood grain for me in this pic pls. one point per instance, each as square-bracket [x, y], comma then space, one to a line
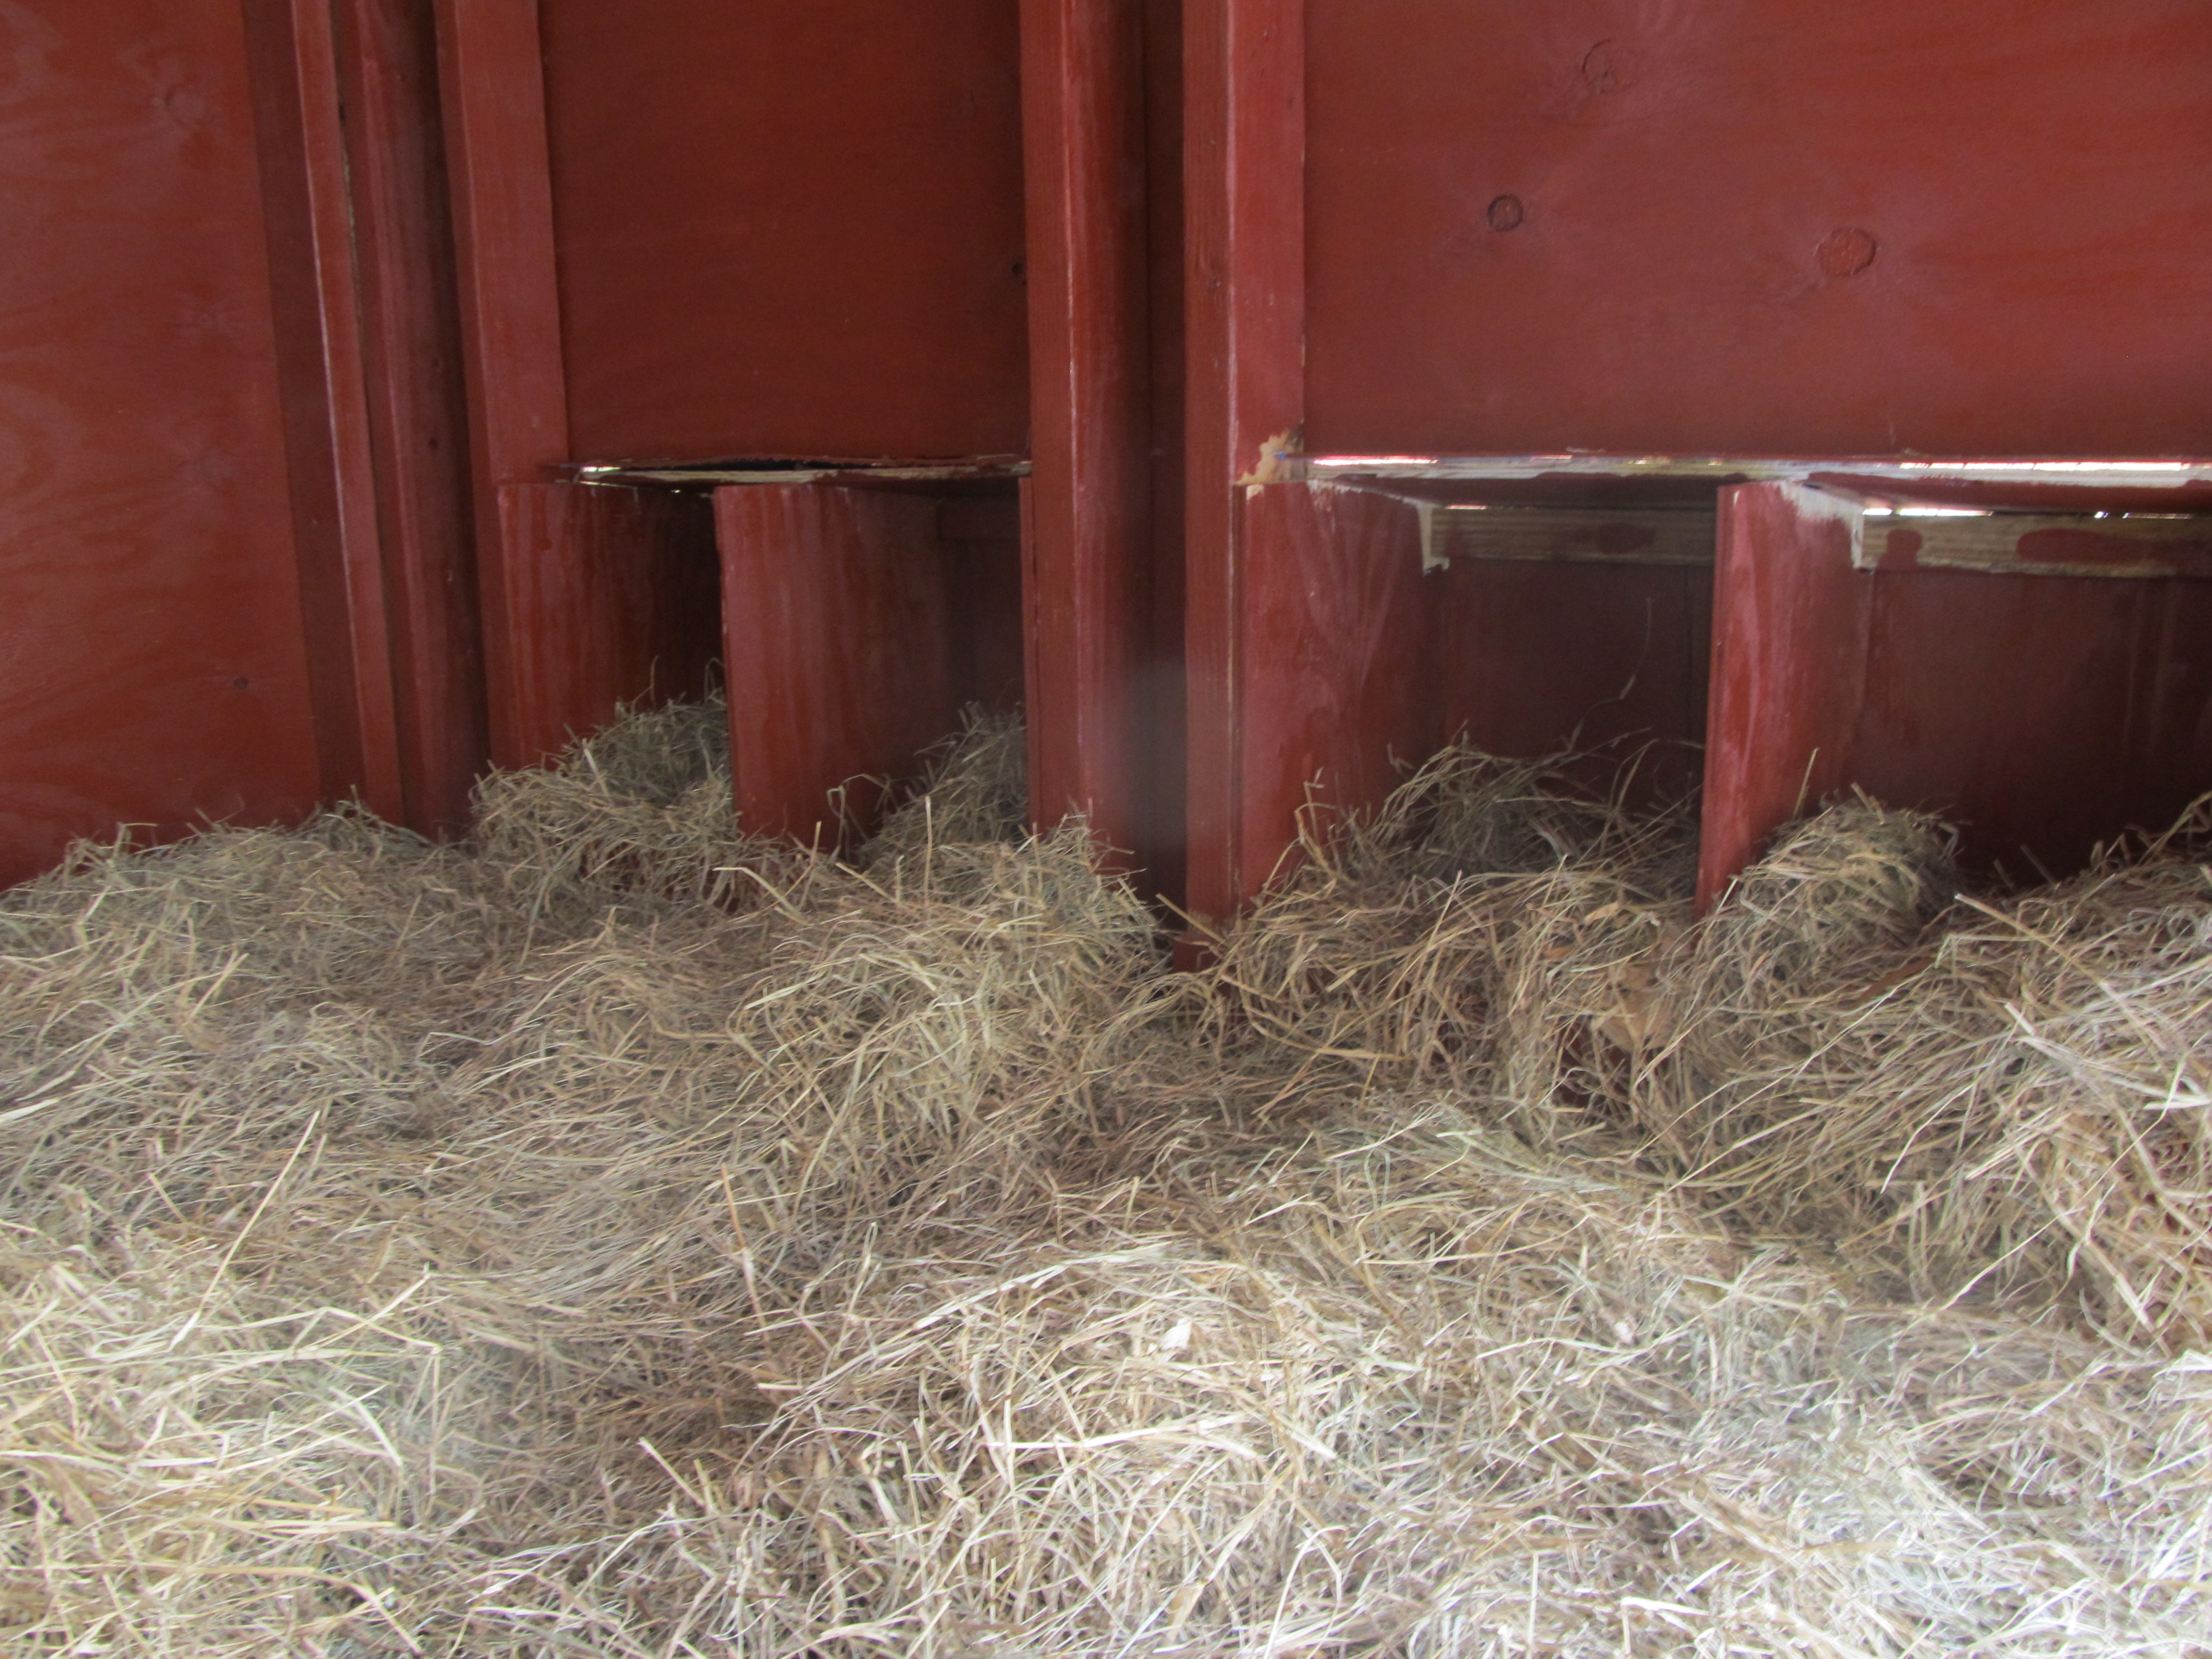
[2047, 544]
[1652, 536]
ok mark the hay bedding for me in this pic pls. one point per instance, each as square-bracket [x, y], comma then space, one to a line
[619, 1237]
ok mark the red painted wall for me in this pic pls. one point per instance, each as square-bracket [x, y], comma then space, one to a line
[1635, 224]
[1538, 658]
[152, 663]
[2044, 714]
[789, 229]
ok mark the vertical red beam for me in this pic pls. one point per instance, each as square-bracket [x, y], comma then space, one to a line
[1083, 146]
[491, 82]
[1340, 677]
[1162, 716]
[613, 595]
[837, 646]
[1245, 260]
[1791, 624]
[308, 213]
[403, 224]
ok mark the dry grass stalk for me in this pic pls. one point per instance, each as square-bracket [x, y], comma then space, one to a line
[570, 1245]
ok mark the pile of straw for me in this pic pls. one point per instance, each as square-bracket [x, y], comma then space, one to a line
[618, 1237]
[2008, 1099]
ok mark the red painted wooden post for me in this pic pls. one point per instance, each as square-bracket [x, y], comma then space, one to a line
[837, 648]
[1791, 619]
[1163, 718]
[492, 84]
[308, 211]
[418, 420]
[611, 598]
[1088, 555]
[1337, 681]
[1244, 262]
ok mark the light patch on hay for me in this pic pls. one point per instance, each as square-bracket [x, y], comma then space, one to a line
[620, 1237]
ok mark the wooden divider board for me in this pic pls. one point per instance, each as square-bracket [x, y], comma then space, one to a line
[838, 649]
[1790, 619]
[1337, 650]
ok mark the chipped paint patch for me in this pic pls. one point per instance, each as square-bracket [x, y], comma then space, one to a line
[1279, 461]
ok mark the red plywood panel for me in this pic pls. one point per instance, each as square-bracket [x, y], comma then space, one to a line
[789, 229]
[1337, 676]
[838, 645]
[152, 666]
[1089, 554]
[1538, 657]
[1790, 630]
[1759, 227]
[2044, 714]
[417, 418]
[1244, 140]
[612, 597]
